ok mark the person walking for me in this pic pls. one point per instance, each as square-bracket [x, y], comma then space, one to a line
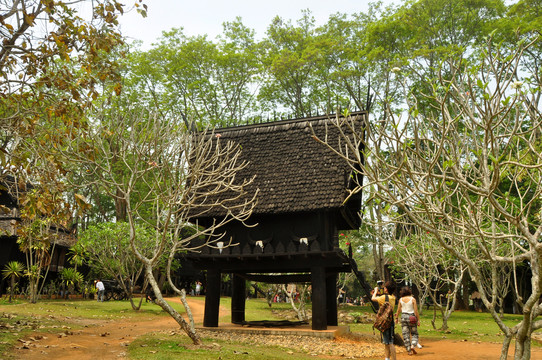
[407, 311]
[100, 290]
[387, 335]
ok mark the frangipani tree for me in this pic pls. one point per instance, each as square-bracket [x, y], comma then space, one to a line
[434, 271]
[165, 175]
[468, 170]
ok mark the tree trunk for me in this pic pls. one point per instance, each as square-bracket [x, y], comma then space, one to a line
[523, 348]
[433, 320]
[12, 287]
[505, 346]
[189, 330]
[420, 308]
[33, 286]
[120, 207]
[134, 306]
[465, 293]
[300, 311]
[188, 311]
[445, 317]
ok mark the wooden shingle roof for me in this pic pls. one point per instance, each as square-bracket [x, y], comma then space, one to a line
[294, 172]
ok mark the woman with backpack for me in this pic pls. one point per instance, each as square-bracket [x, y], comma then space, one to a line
[410, 319]
[387, 335]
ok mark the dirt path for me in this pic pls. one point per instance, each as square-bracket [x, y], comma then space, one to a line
[107, 339]
[454, 350]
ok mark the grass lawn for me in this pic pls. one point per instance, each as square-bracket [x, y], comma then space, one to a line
[21, 318]
[81, 309]
[461, 325]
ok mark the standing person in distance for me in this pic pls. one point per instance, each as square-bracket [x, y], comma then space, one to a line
[387, 335]
[100, 290]
[407, 311]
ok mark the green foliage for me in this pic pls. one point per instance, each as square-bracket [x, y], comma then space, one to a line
[49, 80]
[71, 277]
[13, 269]
[108, 251]
[200, 80]
[77, 254]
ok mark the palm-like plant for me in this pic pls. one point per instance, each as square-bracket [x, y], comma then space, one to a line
[71, 277]
[13, 270]
[77, 255]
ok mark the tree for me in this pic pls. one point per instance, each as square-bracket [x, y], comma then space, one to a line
[433, 30]
[434, 271]
[469, 171]
[77, 254]
[71, 278]
[291, 57]
[12, 270]
[170, 175]
[364, 49]
[107, 250]
[300, 309]
[196, 79]
[43, 211]
[502, 284]
[52, 61]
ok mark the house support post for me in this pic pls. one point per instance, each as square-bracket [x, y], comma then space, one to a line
[238, 298]
[331, 291]
[212, 298]
[318, 282]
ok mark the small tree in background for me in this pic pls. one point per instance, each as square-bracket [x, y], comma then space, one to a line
[12, 270]
[42, 211]
[71, 278]
[77, 255]
[108, 252]
[435, 272]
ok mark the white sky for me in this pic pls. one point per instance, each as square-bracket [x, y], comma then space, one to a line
[199, 17]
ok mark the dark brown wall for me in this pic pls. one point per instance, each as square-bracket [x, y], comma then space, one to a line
[282, 233]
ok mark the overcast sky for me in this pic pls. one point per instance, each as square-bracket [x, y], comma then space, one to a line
[199, 17]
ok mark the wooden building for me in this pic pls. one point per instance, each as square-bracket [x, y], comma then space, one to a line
[300, 210]
[9, 220]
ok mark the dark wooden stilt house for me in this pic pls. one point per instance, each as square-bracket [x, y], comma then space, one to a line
[301, 209]
[9, 221]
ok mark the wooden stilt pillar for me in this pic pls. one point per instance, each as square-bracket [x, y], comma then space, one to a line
[212, 299]
[318, 282]
[238, 298]
[331, 292]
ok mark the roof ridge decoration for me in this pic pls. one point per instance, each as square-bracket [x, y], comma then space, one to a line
[286, 124]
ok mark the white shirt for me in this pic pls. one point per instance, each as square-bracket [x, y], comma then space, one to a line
[100, 286]
[407, 307]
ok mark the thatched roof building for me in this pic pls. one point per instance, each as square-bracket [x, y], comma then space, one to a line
[294, 172]
[302, 204]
